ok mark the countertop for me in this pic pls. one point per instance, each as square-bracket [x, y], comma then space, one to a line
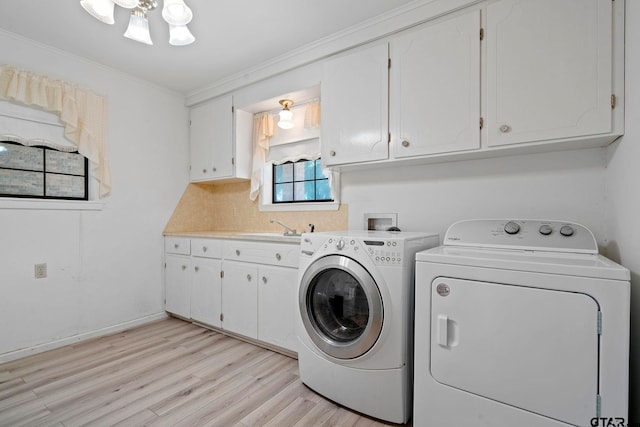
[238, 235]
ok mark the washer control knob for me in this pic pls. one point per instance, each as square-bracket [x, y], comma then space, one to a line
[566, 230]
[340, 245]
[545, 229]
[511, 227]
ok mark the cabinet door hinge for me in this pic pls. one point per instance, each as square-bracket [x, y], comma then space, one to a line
[232, 109]
[481, 33]
[221, 274]
[165, 265]
[221, 317]
[613, 101]
[481, 123]
[233, 160]
[389, 63]
[389, 137]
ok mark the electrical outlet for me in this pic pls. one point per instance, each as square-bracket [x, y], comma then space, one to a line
[40, 271]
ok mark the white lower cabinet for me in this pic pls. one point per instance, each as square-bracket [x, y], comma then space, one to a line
[240, 298]
[277, 304]
[244, 287]
[206, 288]
[178, 285]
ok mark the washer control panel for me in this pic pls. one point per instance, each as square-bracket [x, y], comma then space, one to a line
[381, 251]
[542, 235]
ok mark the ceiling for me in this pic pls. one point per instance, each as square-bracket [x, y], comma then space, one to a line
[231, 35]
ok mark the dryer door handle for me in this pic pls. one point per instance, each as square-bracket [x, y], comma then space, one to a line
[443, 330]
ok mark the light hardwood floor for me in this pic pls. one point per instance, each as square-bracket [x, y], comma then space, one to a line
[166, 373]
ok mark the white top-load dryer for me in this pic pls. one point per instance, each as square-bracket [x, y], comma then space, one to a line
[520, 323]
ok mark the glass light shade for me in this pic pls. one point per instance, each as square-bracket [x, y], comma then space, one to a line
[127, 4]
[179, 35]
[176, 12]
[138, 29]
[286, 119]
[102, 10]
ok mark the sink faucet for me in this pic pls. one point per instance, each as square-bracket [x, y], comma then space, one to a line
[290, 231]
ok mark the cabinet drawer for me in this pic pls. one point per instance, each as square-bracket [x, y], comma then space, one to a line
[177, 245]
[206, 248]
[285, 255]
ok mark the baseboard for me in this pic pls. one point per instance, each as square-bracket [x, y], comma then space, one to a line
[40, 348]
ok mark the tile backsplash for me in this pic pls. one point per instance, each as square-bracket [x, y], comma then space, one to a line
[226, 207]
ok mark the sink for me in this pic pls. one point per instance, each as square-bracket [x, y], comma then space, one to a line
[272, 236]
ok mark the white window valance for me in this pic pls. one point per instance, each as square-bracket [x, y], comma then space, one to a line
[82, 112]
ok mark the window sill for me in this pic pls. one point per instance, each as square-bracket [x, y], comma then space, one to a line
[326, 206]
[52, 205]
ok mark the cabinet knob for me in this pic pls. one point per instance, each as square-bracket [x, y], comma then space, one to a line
[204, 171]
[505, 128]
[332, 153]
[184, 267]
[405, 143]
[278, 257]
[197, 268]
[264, 279]
[204, 249]
[176, 246]
[248, 277]
[214, 169]
[237, 252]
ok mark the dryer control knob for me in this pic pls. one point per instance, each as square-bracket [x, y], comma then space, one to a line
[511, 227]
[545, 229]
[340, 245]
[566, 230]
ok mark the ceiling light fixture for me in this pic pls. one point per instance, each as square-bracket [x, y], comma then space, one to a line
[175, 12]
[286, 116]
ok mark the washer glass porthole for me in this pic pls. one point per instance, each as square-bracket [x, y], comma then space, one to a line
[341, 307]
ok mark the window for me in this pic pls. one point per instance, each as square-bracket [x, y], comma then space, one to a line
[42, 173]
[300, 181]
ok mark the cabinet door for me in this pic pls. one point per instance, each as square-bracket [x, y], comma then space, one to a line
[211, 139]
[240, 298]
[355, 107]
[548, 69]
[435, 88]
[206, 291]
[277, 305]
[178, 285]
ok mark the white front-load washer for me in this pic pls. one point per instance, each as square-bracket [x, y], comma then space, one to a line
[355, 318]
[520, 323]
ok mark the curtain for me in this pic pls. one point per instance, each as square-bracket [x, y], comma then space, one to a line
[262, 132]
[83, 113]
[312, 115]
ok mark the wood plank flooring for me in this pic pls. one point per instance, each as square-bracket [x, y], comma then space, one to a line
[166, 373]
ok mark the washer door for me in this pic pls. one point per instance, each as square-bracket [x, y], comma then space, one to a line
[341, 306]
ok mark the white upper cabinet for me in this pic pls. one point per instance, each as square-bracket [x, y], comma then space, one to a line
[355, 104]
[220, 141]
[502, 76]
[549, 70]
[435, 88]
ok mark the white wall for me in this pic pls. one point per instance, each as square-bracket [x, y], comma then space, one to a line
[104, 267]
[564, 185]
[623, 196]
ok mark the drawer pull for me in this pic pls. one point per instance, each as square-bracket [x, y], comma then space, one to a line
[332, 153]
[505, 128]
[264, 279]
[249, 277]
[278, 257]
[184, 267]
[197, 268]
[204, 171]
[237, 252]
[204, 249]
[405, 143]
[176, 246]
